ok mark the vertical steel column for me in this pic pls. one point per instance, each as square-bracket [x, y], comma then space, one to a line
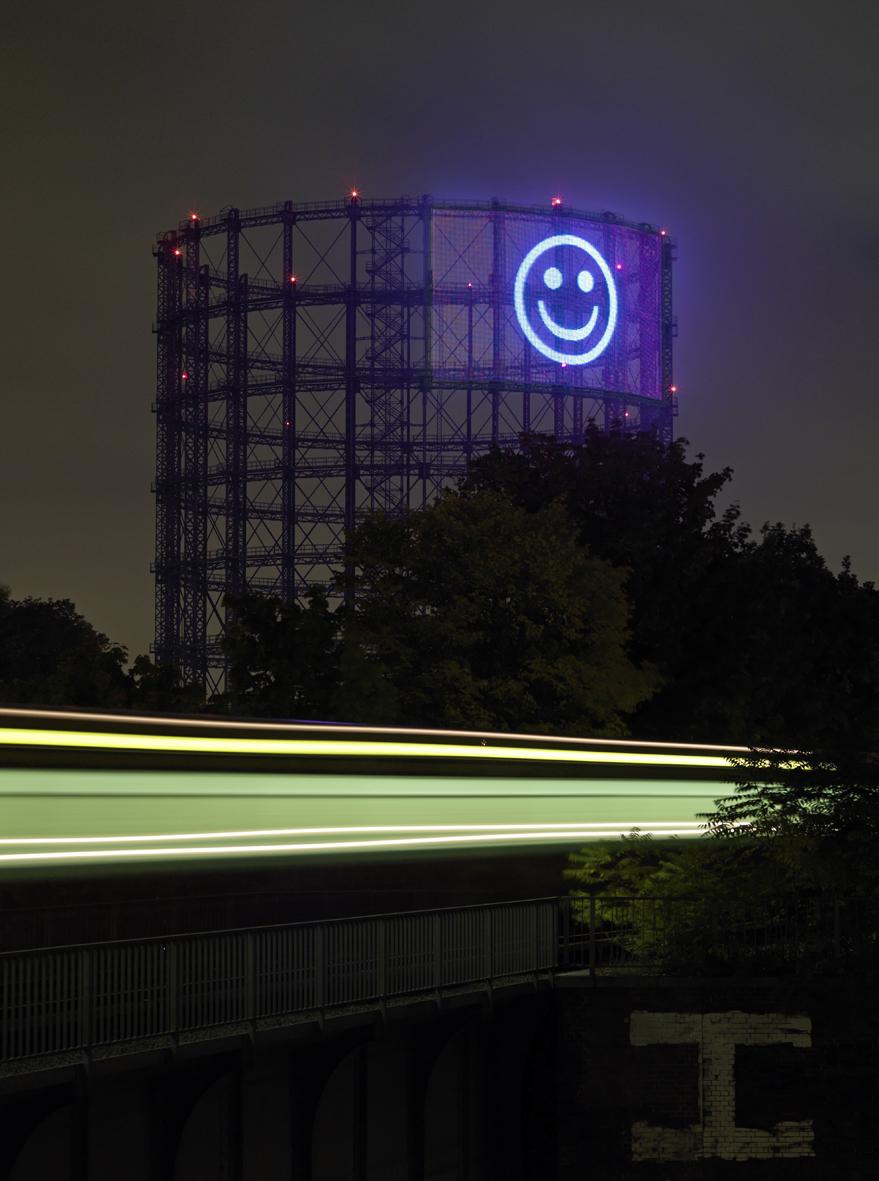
[429, 396]
[610, 414]
[351, 472]
[373, 450]
[669, 408]
[384, 388]
[236, 413]
[526, 393]
[558, 395]
[610, 361]
[167, 486]
[199, 485]
[558, 413]
[497, 306]
[288, 411]
[577, 427]
[404, 314]
[193, 664]
[468, 428]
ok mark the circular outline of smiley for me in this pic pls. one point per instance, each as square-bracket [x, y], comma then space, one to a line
[519, 299]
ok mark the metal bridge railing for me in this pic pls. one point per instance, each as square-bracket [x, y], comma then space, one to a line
[61, 999]
[56, 1000]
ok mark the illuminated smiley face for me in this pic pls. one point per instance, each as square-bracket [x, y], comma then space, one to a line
[566, 300]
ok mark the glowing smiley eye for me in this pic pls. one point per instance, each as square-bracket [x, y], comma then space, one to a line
[552, 277]
[585, 281]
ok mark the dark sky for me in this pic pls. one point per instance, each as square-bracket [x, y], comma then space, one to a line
[748, 129]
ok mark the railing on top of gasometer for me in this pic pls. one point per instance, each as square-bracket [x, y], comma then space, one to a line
[59, 1000]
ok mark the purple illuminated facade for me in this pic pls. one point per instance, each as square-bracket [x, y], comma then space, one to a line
[477, 334]
[319, 361]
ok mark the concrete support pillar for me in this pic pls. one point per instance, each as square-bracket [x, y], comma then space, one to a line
[79, 1128]
[172, 1100]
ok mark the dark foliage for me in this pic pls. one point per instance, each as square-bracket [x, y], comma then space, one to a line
[50, 655]
[157, 688]
[283, 658]
[476, 613]
[755, 640]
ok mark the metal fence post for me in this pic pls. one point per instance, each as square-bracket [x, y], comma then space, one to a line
[593, 950]
[86, 997]
[563, 932]
[437, 952]
[490, 943]
[320, 967]
[249, 977]
[172, 988]
[535, 941]
[381, 959]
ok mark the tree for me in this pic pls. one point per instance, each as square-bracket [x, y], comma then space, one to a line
[714, 871]
[755, 640]
[474, 612]
[51, 655]
[158, 687]
[283, 658]
[815, 812]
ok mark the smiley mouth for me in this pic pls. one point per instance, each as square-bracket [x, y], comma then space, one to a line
[567, 333]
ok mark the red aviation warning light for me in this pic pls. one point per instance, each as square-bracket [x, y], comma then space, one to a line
[556, 202]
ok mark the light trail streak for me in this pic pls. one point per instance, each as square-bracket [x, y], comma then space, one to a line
[333, 727]
[561, 826]
[204, 744]
[538, 836]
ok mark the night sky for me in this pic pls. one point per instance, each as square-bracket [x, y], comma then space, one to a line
[747, 129]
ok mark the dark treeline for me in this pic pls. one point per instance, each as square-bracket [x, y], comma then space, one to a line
[595, 589]
[51, 655]
[591, 590]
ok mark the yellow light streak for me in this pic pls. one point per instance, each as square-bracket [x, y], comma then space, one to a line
[337, 728]
[328, 748]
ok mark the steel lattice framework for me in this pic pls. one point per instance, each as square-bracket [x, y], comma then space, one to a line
[316, 361]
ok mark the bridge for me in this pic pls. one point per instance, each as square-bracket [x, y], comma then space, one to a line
[446, 1043]
[413, 1045]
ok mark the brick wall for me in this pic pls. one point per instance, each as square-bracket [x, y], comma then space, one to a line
[677, 1080]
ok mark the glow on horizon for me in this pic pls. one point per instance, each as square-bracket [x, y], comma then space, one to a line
[208, 744]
